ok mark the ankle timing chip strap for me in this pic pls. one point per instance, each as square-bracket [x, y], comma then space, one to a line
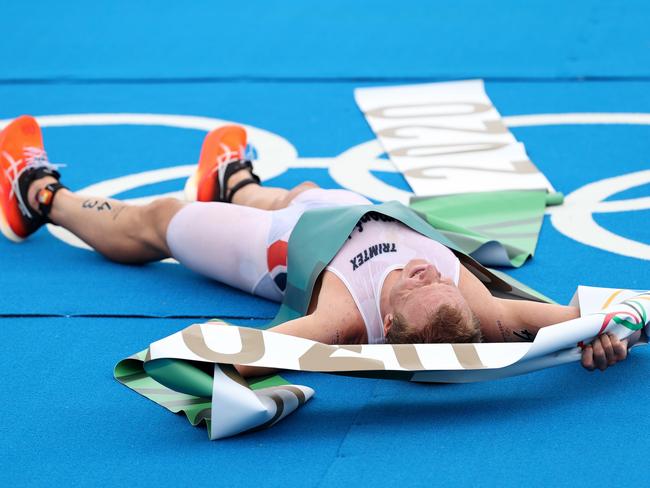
[45, 198]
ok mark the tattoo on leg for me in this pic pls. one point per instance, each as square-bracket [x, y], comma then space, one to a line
[97, 205]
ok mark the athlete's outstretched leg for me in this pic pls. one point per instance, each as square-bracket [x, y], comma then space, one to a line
[239, 245]
[223, 241]
[31, 195]
[121, 232]
[265, 197]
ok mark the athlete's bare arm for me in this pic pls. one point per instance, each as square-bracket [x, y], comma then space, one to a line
[521, 319]
[505, 320]
[306, 327]
[333, 319]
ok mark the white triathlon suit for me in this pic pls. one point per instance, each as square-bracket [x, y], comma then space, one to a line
[246, 248]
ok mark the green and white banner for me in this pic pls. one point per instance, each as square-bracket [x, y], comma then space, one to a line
[470, 177]
[495, 228]
[191, 371]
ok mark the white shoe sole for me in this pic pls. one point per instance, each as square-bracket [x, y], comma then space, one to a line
[191, 188]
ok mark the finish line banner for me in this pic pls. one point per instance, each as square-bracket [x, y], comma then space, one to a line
[192, 371]
[448, 138]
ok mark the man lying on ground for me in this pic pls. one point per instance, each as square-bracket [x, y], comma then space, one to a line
[387, 283]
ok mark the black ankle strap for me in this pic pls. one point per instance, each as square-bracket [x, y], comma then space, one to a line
[232, 168]
[45, 198]
[239, 186]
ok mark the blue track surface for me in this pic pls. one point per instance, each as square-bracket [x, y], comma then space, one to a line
[290, 68]
[74, 422]
[335, 39]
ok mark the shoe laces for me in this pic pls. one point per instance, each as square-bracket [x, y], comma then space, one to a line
[33, 158]
[228, 155]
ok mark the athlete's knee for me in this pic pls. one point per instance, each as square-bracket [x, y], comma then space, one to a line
[161, 210]
[154, 219]
[305, 185]
[294, 192]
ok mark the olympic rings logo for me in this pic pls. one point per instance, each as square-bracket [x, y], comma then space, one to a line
[353, 168]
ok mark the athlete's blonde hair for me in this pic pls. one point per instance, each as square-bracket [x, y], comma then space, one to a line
[447, 324]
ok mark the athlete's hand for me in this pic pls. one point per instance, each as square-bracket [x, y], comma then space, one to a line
[606, 350]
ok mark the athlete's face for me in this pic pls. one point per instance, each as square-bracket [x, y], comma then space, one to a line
[421, 290]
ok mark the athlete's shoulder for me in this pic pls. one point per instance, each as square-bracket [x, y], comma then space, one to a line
[334, 308]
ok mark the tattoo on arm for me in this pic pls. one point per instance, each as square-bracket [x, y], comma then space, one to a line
[507, 334]
[525, 335]
[503, 330]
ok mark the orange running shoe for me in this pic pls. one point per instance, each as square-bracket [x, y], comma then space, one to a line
[22, 160]
[224, 152]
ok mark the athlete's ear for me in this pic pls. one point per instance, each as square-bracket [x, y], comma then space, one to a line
[388, 323]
